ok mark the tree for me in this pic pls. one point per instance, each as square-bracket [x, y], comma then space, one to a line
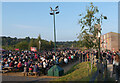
[22, 45]
[27, 39]
[89, 28]
[37, 41]
[39, 37]
[51, 44]
[9, 43]
[32, 43]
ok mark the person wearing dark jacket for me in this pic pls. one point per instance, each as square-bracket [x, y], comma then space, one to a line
[97, 55]
[117, 67]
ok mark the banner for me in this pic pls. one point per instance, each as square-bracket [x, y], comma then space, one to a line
[16, 49]
[33, 49]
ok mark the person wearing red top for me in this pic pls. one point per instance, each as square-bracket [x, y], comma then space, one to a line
[35, 57]
[87, 57]
[69, 58]
[5, 60]
[31, 69]
[19, 65]
[11, 64]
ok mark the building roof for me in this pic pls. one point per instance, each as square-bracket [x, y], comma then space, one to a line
[111, 32]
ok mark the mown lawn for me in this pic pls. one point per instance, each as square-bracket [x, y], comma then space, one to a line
[78, 72]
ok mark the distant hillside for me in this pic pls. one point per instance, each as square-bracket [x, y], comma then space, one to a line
[9, 43]
[67, 44]
[27, 42]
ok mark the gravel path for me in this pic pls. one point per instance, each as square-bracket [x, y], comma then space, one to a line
[15, 77]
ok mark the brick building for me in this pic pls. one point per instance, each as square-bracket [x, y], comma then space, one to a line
[110, 41]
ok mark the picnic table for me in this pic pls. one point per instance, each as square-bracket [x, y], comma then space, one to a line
[31, 73]
[7, 68]
[4, 71]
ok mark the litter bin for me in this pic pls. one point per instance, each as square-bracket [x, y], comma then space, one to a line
[55, 71]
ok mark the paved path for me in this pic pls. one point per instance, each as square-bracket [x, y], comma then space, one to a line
[68, 67]
[110, 68]
[13, 77]
[22, 78]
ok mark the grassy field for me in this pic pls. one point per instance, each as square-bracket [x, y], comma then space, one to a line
[78, 72]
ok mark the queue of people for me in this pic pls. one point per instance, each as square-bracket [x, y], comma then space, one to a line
[116, 65]
[114, 59]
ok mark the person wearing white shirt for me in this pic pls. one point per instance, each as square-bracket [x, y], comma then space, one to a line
[114, 63]
[44, 67]
[65, 60]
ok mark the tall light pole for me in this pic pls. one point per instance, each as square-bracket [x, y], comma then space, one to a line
[55, 11]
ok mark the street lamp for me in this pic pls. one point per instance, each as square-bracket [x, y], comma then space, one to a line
[55, 11]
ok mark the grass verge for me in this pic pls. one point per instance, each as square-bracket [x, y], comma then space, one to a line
[78, 72]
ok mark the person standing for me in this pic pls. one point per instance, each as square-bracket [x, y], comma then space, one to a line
[114, 63]
[119, 52]
[117, 67]
[65, 60]
[44, 67]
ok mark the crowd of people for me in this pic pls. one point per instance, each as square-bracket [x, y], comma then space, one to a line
[116, 65]
[113, 58]
[29, 61]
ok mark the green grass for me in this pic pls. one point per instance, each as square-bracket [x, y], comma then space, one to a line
[78, 72]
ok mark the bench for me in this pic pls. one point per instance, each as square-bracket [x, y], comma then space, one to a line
[15, 70]
[35, 73]
[25, 73]
[4, 71]
[30, 73]
[7, 68]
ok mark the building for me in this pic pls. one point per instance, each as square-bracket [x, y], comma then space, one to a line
[110, 41]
